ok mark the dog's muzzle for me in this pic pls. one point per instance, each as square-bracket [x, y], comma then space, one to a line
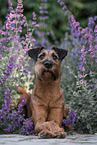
[48, 64]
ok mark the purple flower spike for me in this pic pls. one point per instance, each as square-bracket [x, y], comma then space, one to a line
[71, 119]
[16, 86]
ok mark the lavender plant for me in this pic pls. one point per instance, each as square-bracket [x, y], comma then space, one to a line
[43, 30]
[71, 118]
[27, 128]
[80, 85]
[79, 81]
[13, 50]
[15, 72]
[10, 121]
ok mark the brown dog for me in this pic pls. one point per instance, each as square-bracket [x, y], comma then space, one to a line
[46, 104]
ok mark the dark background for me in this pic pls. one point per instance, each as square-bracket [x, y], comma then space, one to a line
[57, 22]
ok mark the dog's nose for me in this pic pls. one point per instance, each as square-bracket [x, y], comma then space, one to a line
[48, 64]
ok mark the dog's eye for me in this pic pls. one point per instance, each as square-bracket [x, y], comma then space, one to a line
[54, 56]
[42, 56]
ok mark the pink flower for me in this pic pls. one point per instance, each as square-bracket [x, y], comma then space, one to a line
[34, 15]
[33, 40]
[64, 7]
[20, 1]
[33, 23]
[61, 3]
[83, 69]
[80, 76]
[95, 30]
[37, 25]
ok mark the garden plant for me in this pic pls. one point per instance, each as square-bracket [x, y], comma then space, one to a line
[79, 70]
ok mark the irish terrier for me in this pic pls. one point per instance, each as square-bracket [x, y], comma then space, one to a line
[46, 104]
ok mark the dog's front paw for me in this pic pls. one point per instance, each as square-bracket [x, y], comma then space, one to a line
[45, 133]
[61, 134]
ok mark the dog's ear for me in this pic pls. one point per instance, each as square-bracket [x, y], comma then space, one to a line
[33, 53]
[61, 52]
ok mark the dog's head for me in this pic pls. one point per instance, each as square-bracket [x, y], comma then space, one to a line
[47, 62]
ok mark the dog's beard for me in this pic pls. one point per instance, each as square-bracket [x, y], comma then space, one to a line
[50, 75]
[46, 75]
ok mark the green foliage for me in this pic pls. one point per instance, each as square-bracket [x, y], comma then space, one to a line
[82, 10]
[18, 76]
[82, 97]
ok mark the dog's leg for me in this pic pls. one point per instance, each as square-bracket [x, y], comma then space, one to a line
[56, 114]
[52, 127]
[44, 128]
[39, 115]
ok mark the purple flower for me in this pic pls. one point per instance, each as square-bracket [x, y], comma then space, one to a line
[92, 85]
[95, 29]
[96, 60]
[16, 86]
[91, 22]
[20, 106]
[26, 71]
[71, 119]
[9, 69]
[27, 128]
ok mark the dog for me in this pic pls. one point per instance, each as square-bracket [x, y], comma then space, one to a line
[46, 104]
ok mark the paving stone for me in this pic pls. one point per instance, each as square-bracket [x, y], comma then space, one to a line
[35, 140]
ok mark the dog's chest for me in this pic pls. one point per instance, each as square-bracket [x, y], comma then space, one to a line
[47, 95]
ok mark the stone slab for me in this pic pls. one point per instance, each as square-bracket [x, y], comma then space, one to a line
[34, 140]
